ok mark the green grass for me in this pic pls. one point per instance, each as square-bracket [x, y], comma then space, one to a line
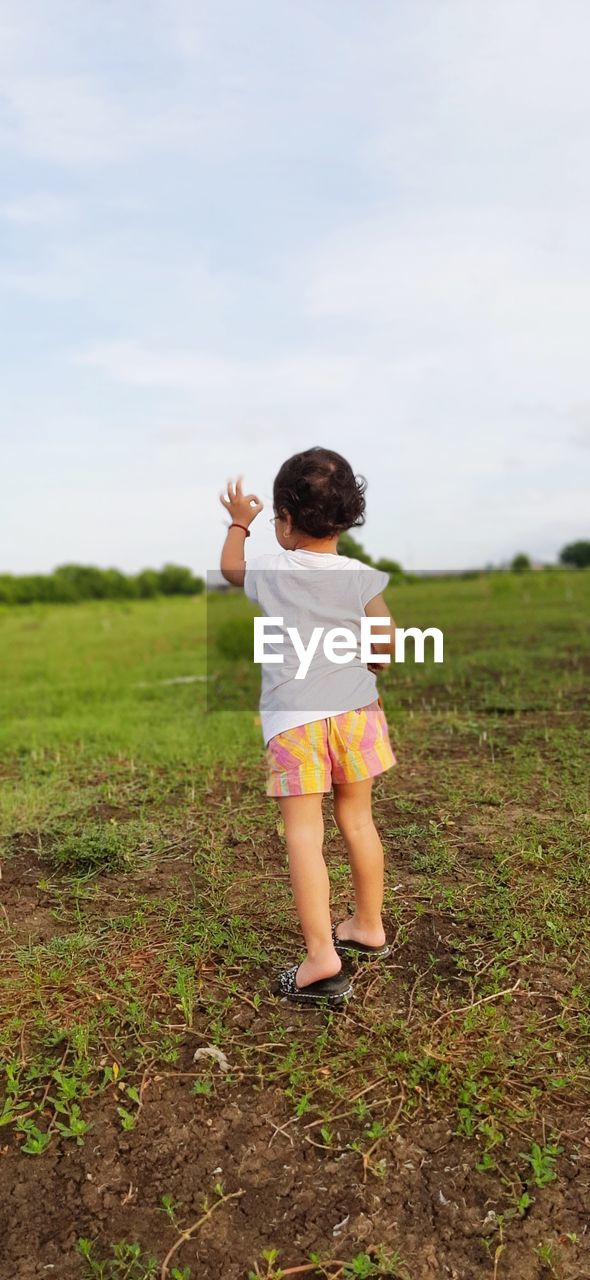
[110, 774]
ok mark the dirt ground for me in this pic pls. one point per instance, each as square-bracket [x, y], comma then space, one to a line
[293, 1194]
[286, 1189]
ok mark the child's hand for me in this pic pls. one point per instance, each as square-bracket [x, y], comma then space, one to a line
[243, 507]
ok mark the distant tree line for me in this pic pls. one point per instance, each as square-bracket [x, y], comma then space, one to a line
[73, 582]
[575, 556]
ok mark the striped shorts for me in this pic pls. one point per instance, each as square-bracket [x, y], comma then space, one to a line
[344, 748]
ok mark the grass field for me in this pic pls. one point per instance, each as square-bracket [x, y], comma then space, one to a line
[164, 1115]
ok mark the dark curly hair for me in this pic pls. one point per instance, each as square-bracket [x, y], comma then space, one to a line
[320, 492]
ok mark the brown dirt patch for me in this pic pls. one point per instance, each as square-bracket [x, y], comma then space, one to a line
[430, 1203]
[28, 911]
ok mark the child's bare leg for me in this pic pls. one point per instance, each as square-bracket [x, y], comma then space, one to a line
[304, 834]
[352, 810]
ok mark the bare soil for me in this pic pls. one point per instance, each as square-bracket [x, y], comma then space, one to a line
[290, 1191]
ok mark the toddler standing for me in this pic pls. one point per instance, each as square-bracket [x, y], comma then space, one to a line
[326, 731]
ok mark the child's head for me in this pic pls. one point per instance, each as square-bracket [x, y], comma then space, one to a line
[316, 493]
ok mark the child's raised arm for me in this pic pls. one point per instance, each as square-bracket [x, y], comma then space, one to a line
[243, 509]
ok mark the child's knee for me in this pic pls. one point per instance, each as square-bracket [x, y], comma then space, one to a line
[350, 820]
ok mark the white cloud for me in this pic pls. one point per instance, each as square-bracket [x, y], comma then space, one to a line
[206, 372]
[496, 315]
[498, 96]
[72, 120]
[40, 208]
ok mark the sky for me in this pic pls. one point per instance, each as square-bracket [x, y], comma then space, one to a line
[232, 229]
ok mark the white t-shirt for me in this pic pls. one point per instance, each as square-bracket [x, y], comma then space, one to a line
[310, 589]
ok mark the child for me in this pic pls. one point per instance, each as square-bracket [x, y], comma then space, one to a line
[328, 730]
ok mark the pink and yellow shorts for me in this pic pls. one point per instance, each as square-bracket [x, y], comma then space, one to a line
[344, 748]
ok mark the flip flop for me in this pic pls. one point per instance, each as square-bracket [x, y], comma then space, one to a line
[329, 991]
[348, 946]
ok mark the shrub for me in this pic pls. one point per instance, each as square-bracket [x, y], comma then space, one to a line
[576, 554]
[177, 580]
[390, 566]
[148, 584]
[6, 588]
[117, 586]
[30, 587]
[78, 582]
[520, 563]
[348, 546]
[98, 846]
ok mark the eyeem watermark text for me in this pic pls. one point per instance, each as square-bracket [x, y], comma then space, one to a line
[340, 644]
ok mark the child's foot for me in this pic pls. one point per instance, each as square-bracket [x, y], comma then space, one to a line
[349, 936]
[321, 967]
[335, 990]
[349, 930]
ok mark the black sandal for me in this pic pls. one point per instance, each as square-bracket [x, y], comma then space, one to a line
[348, 946]
[331, 991]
